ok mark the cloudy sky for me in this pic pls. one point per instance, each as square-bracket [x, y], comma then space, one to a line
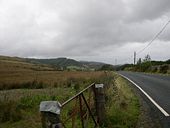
[94, 30]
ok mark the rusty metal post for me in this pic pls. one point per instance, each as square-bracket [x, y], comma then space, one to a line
[50, 114]
[100, 103]
[81, 111]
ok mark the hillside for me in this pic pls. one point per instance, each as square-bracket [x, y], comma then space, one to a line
[51, 64]
[91, 64]
[68, 63]
[59, 62]
[20, 64]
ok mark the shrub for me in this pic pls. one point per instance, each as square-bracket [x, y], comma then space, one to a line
[164, 68]
[154, 69]
[145, 66]
[107, 67]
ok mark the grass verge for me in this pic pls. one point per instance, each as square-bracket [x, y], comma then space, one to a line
[122, 109]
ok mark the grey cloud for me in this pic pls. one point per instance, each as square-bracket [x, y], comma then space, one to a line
[78, 27]
[148, 9]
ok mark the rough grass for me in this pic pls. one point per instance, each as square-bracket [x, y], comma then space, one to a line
[123, 106]
[42, 79]
[19, 108]
[72, 107]
[17, 74]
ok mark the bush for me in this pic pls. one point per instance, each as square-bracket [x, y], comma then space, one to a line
[107, 67]
[145, 66]
[164, 69]
[154, 69]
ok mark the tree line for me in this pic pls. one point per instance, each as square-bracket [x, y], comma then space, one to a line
[148, 65]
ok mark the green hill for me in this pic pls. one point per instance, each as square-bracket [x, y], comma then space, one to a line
[92, 65]
[21, 64]
[56, 63]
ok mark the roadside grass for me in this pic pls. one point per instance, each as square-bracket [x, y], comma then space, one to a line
[122, 109]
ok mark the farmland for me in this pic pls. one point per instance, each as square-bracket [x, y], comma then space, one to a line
[18, 74]
[24, 85]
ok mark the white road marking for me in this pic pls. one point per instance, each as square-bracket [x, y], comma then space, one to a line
[158, 106]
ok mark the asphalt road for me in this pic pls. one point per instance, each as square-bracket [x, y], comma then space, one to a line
[157, 87]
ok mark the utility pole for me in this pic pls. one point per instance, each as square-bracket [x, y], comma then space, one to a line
[134, 58]
[115, 61]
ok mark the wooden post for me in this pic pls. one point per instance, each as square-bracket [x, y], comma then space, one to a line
[100, 103]
[50, 114]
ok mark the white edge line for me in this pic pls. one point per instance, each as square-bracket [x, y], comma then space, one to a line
[159, 107]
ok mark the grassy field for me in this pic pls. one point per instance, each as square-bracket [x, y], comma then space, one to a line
[16, 74]
[21, 106]
[24, 85]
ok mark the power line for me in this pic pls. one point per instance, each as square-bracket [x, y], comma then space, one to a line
[155, 37]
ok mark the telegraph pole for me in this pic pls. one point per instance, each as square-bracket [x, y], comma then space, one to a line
[115, 61]
[134, 58]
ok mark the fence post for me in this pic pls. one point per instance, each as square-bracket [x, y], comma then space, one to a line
[50, 114]
[100, 103]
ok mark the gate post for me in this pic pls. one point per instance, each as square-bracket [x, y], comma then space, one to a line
[50, 114]
[100, 103]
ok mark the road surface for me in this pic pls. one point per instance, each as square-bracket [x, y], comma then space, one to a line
[155, 87]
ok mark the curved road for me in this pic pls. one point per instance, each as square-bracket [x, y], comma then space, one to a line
[157, 87]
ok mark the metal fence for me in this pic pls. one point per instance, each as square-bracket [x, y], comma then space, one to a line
[83, 110]
[79, 109]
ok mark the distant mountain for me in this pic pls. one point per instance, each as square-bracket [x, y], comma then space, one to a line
[66, 62]
[91, 64]
[11, 58]
[59, 63]
[22, 64]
